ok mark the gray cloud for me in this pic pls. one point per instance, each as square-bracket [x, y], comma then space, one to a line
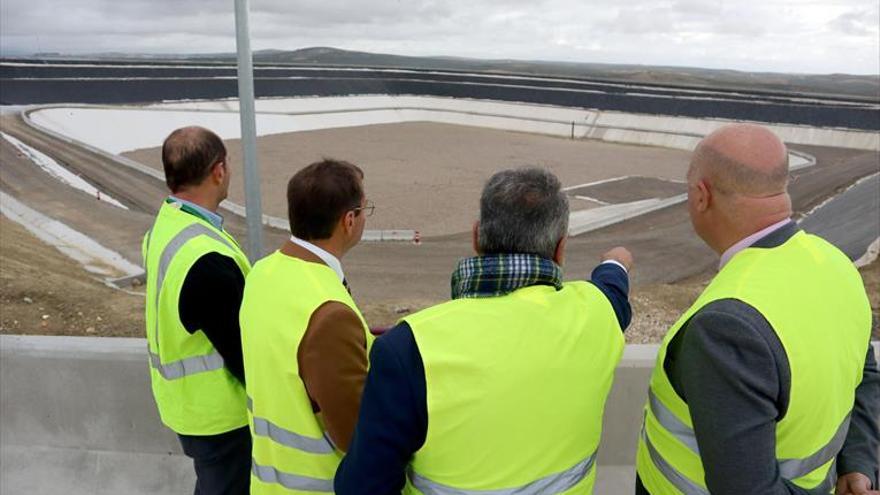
[863, 22]
[767, 35]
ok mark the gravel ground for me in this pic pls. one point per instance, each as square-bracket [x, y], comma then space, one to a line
[427, 176]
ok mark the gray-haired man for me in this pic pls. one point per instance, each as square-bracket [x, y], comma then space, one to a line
[503, 387]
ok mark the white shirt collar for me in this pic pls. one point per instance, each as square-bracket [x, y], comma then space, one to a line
[331, 261]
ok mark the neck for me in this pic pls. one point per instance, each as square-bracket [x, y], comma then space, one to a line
[738, 234]
[748, 216]
[201, 198]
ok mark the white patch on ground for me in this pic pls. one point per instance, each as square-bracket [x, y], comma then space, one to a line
[593, 200]
[396, 235]
[391, 236]
[870, 255]
[58, 172]
[93, 256]
[596, 183]
[584, 221]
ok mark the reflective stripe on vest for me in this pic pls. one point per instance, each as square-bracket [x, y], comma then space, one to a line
[269, 474]
[283, 436]
[188, 366]
[684, 433]
[554, 483]
[197, 364]
[788, 468]
[678, 480]
[795, 468]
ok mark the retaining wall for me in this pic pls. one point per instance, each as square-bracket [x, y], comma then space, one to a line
[77, 416]
[144, 127]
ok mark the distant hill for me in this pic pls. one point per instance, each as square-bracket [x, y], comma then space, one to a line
[861, 86]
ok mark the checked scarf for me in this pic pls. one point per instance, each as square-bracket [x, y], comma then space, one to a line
[499, 274]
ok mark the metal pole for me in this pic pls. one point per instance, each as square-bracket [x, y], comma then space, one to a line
[252, 202]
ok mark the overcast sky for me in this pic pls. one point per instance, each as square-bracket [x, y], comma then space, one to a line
[808, 36]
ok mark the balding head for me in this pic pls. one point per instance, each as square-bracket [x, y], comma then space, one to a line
[737, 184]
[742, 159]
[188, 156]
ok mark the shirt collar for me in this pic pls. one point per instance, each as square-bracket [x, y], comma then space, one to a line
[212, 218]
[331, 261]
[748, 241]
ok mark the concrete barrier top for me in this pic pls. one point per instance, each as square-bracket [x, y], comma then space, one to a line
[83, 404]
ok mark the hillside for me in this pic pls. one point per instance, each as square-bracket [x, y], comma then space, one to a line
[863, 87]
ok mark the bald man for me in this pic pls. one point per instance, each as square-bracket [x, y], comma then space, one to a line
[768, 379]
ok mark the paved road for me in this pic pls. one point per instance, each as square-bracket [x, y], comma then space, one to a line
[851, 220]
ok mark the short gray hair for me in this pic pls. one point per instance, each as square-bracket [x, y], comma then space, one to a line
[522, 211]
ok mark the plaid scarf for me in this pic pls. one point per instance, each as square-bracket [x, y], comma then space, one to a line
[499, 274]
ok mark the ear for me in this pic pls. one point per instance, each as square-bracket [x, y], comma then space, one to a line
[704, 196]
[348, 221]
[559, 255]
[476, 237]
[218, 172]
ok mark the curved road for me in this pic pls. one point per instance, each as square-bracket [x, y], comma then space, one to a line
[663, 242]
[851, 220]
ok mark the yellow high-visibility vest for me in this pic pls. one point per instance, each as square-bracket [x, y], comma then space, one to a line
[291, 451]
[814, 299]
[516, 388]
[195, 393]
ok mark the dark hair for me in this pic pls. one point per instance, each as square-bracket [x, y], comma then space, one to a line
[189, 154]
[522, 211]
[318, 195]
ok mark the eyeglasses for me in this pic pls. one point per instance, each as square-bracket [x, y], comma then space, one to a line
[368, 208]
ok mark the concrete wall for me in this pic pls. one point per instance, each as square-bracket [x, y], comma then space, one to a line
[117, 129]
[77, 417]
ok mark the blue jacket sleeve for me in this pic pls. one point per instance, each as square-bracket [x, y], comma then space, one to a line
[613, 281]
[393, 419]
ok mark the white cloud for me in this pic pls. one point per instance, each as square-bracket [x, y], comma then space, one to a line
[767, 35]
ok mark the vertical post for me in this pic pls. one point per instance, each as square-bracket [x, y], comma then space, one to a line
[253, 206]
[572, 129]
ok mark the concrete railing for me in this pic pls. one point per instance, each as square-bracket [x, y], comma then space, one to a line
[77, 416]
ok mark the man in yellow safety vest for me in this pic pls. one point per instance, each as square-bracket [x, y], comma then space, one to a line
[767, 380]
[502, 389]
[195, 277]
[305, 342]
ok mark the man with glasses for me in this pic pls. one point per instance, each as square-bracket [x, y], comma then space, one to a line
[195, 279]
[305, 342]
